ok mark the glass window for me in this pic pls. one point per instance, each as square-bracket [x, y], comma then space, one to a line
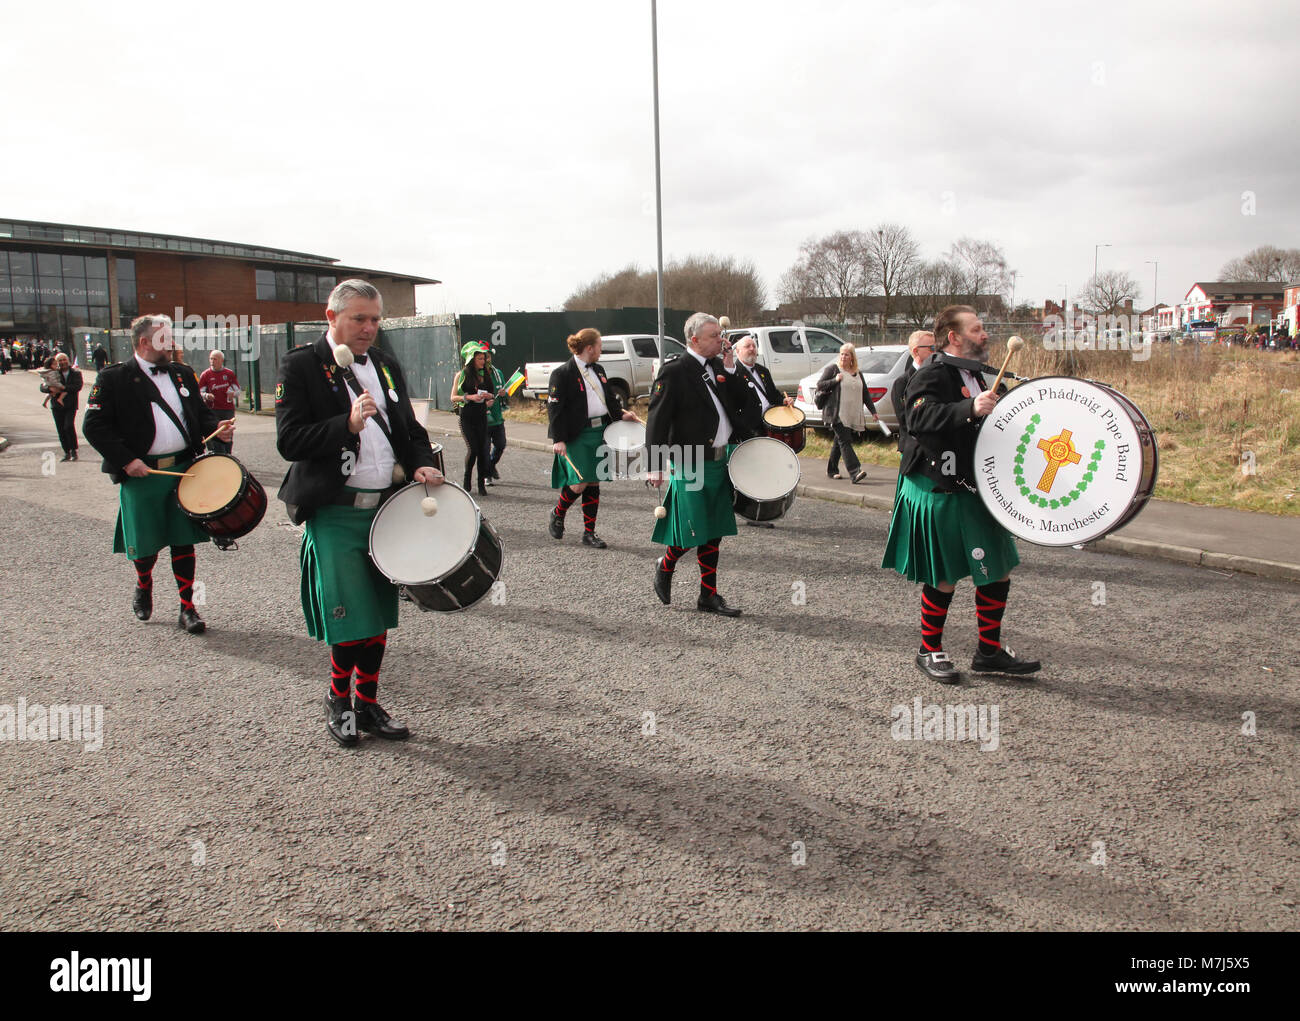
[327, 285]
[871, 362]
[125, 269]
[646, 347]
[96, 267]
[24, 288]
[21, 264]
[306, 290]
[820, 343]
[784, 342]
[48, 265]
[284, 285]
[24, 313]
[265, 285]
[78, 315]
[4, 265]
[611, 347]
[99, 317]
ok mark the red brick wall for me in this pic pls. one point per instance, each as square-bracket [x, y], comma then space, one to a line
[228, 287]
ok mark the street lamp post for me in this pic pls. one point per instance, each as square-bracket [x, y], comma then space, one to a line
[1095, 250]
[1155, 288]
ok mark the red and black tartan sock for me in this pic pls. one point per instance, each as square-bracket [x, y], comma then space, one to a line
[934, 611]
[590, 506]
[144, 572]
[343, 657]
[707, 555]
[372, 654]
[990, 605]
[670, 556]
[183, 569]
[567, 496]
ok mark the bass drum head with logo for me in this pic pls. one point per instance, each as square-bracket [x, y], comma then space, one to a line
[765, 474]
[1064, 461]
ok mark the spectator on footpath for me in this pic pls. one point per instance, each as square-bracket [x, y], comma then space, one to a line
[220, 389]
[4, 359]
[844, 400]
[920, 345]
[100, 357]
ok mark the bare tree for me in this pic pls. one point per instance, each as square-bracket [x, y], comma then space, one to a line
[892, 255]
[836, 267]
[929, 287]
[711, 282]
[1266, 263]
[796, 290]
[1106, 293]
[983, 267]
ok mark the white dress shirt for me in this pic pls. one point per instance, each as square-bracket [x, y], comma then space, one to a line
[596, 406]
[167, 439]
[723, 436]
[375, 460]
[752, 372]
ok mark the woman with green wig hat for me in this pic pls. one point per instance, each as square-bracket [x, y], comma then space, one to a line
[470, 395]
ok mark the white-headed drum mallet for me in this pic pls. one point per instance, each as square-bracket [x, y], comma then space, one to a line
[1014, 344]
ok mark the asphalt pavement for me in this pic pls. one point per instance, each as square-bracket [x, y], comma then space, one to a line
[584, 757]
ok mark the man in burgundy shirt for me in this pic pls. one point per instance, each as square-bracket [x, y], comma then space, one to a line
[220, 390]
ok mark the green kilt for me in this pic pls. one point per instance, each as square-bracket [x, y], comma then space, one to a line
[943, 537]
[583, 452]
[344, 595]
[695, 517]
[149, 517]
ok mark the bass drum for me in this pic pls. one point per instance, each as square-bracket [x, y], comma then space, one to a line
[221, 496]
[447, 561]
[1063, 461]
[765, 475]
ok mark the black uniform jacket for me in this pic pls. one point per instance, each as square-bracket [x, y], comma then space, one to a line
[941, 426]
[312, 405]
[753, 410]
[119, 413]
[830, 386]
[681, 409]
[898, 394]
[566, 402]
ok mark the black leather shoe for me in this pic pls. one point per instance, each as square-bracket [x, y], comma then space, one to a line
[495, 476]
[74, 455]
[482, 488]
[67, 455]
[938, 667]
[760, 524]
[191, 621]
[373, 720]
[716, 604]
[593, 540]
[556, 526]
[663, 583]
[341, 720]
[142, 602]
[225, 543]
[859, 476]
[1004, 661]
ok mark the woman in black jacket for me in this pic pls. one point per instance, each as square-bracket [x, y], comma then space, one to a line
[843, 398]
[470, 392]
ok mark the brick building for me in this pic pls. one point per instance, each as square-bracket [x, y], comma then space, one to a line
[56, 278]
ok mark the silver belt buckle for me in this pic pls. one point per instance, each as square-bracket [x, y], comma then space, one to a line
[166, 462]
[365, 501]
[595, 422]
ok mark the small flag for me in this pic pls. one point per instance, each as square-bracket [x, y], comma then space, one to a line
[515, 382]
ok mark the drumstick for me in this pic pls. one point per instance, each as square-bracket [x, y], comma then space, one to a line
[179, 475]
[218, 429]
[1014, 344]
[574, 467]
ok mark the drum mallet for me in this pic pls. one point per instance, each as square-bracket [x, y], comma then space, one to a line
[1014, 344]
[159, 471]
[661, 511]
[429, 505]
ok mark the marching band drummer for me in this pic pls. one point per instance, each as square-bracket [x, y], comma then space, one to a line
[350, 448]
[761, 394]
[145, 415]
[579, 404]
[696, 413]
[940, 531]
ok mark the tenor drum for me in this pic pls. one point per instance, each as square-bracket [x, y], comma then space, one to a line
[785, 422]
[1064, 461]
[625, 442]
[765, 474]
[221, 496]
[446, 562]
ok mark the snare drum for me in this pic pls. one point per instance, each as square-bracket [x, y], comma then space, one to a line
[765, 474]
[784, 422]
[626, 451]
[221, 496]
[447, 561]
[1063, 461]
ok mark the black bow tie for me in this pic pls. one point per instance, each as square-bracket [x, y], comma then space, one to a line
[361, 359]
[157, 370]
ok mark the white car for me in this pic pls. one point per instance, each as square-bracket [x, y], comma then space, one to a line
[880, 365]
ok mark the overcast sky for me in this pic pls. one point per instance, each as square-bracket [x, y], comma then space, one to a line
[506, 148]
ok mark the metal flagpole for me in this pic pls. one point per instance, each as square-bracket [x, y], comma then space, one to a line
[659, 208]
